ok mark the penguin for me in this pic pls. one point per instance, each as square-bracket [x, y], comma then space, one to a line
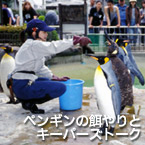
[2, 52]
[107, 90]
[7, 65]
[122, 74]
[126, 56]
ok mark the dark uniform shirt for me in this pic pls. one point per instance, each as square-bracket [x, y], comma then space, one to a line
[97, 16]
[6, 16]
[28, 15]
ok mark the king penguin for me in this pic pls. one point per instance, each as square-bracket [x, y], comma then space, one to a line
[107, 90]
[2, 52]
[122, 74]
[7, 65]
[126, 56]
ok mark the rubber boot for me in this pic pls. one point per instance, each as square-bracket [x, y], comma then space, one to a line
[32, 107]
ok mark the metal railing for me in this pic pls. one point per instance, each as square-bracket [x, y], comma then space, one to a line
[135, 35]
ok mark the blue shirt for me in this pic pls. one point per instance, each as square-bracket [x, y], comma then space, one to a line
[133, 17]
[122, 11]
[142, 11]
[7, 15]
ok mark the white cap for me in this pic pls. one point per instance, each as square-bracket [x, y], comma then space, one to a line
[132, 0]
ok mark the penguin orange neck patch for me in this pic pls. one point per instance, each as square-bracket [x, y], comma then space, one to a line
[106, 59]
[6, 56]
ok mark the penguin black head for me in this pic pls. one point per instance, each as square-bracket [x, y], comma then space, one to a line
[122, 42]
[113, 48]
[7, 49]
[100, 59]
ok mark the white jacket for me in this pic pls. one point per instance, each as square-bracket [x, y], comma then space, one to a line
[31, 57]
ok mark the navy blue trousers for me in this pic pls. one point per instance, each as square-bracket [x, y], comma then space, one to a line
[40, 91]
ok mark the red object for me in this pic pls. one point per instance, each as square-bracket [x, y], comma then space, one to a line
[34, 29]
[83, 41]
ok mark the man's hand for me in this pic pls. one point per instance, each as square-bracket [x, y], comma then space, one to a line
[55, 78]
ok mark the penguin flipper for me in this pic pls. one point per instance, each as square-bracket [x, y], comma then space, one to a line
[129, 62]
[140, 77]
[135, 69]
[113, 85]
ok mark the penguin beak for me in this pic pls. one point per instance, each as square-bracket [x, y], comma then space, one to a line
[7, 49]
[107, 37]
[3, 47]
[108, 42]
[94, 57]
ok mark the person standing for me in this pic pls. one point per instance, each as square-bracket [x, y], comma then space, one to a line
[28, 12]
[142, 12]
[96, 17]
[133, 19]
[112, 16]
[13, 20]
[51, 18]
[122, 11]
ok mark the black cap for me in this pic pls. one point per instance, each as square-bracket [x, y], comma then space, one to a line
[5, 3]
[121, 0]
[110, 1]
[36, 24]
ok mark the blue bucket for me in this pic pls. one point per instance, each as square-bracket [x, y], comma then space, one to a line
[72, 98]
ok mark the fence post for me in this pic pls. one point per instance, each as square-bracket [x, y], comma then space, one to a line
[86, 17]
[1, 20]
[20, 13]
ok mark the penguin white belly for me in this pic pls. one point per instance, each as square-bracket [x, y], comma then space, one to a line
[7, 66]
[104, 94]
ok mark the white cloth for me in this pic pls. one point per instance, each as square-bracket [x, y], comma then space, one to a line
[31, 57]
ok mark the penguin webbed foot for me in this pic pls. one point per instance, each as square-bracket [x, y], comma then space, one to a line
[122, 108]
[111, 129]
[102, 130]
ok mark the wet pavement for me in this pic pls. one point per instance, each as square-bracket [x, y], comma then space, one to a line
[13, 131]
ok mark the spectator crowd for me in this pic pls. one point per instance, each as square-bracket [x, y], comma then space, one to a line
[117, 15]
[111, 15]
[29, 13]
